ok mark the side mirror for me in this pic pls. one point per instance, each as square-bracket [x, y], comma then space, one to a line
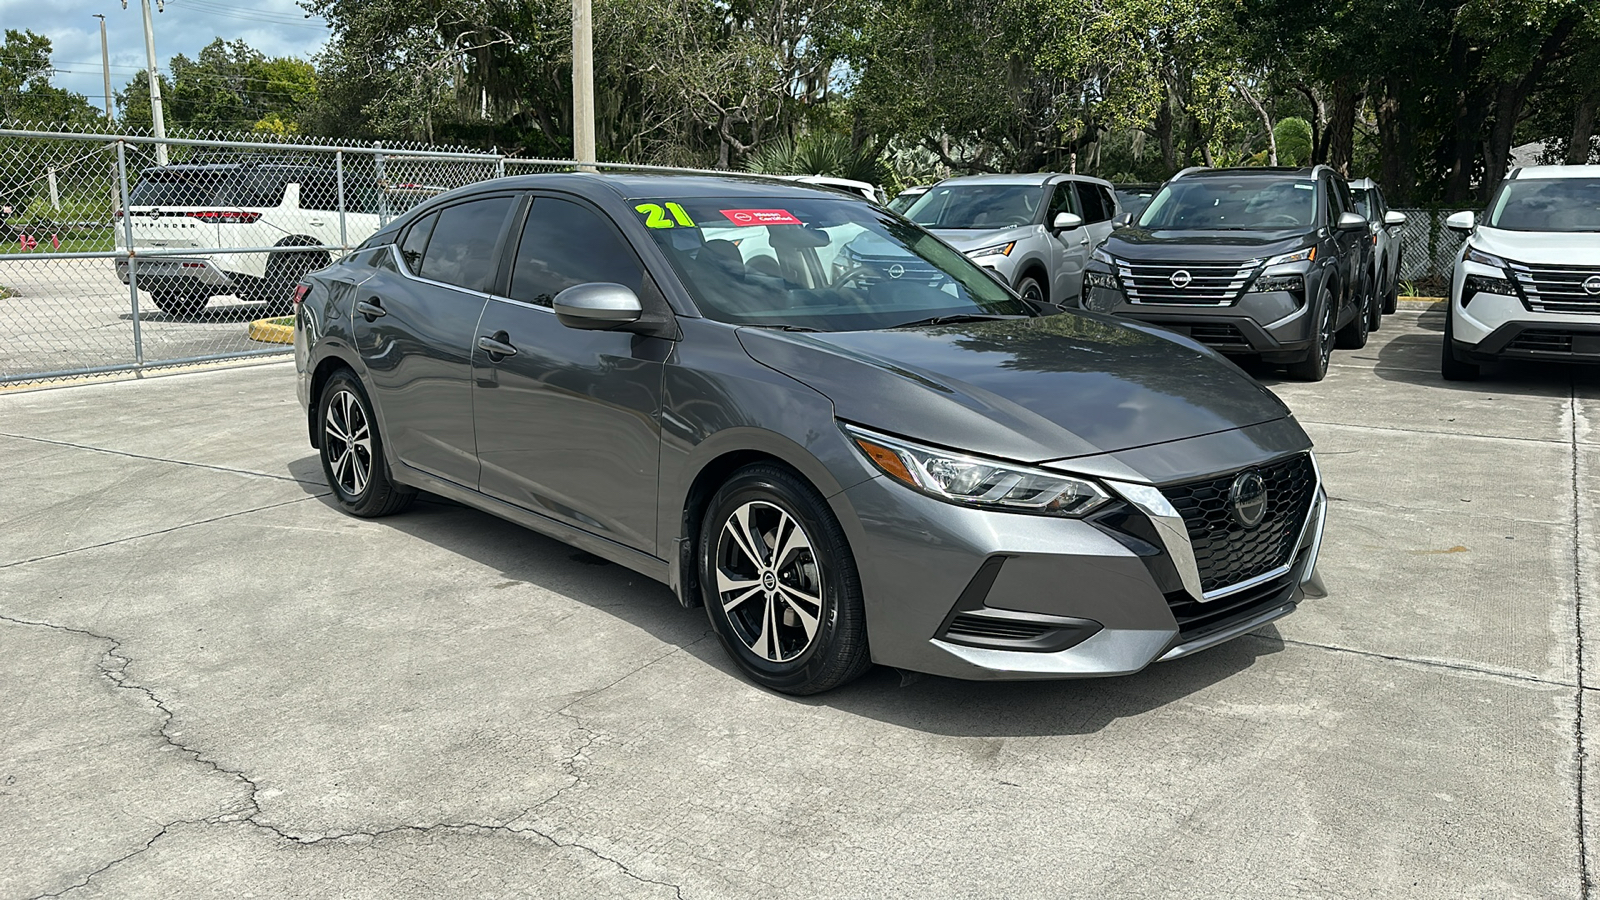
[1066, 221]
[1352, 222]
[1123, 220]
[597, 306]
[1461, 221]
[1392, 218]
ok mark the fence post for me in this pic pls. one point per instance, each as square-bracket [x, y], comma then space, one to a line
[338, 169]
[383, 188]
[127, 239]
[499, 163]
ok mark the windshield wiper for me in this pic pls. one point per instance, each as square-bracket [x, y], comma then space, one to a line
[783, 327]
[953, 319]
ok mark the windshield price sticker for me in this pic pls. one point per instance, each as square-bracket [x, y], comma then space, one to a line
[760, 217]
[669, 216]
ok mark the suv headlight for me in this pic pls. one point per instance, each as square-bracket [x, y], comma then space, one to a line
[1097, 279]
[1485, 259]
[1306, 255]
[1100, 255]
[992, 250]
[983, 483]
[1294, 284]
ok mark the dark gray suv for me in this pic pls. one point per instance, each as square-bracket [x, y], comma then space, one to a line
[844, 464]
[1273, 263]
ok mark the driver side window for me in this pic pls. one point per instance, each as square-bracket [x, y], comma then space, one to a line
[564, 244]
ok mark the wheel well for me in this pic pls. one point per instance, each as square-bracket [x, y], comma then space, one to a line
[1036, 271]
[706, 483]
[319, 377]
[320, 258]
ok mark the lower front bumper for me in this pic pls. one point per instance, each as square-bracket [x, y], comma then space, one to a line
[926, 564]
[1268, 325]
[1548, 341]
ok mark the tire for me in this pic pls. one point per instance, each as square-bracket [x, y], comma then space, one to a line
[1451, 366]
[1354, 335]
[1374, 311]
[178, 304]
[352, 451]
[1391, 300]
[1032, 290]
[283, 273]
[1314, 367]
[761, 612]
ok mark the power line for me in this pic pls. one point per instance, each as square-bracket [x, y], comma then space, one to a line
[251, 16]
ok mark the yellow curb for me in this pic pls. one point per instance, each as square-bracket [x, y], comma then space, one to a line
[273, 331]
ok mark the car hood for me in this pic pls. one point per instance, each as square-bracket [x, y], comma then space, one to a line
[1031, 390]
[1193, 245]
[965, 239]
[1539, 247]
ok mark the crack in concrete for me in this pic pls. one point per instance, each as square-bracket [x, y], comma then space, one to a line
[135, 537]
[161, 459]
[1585, 878]
[1419, 661]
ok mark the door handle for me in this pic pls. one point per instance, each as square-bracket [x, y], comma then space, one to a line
[371, 309]
[317, 223]
[495, 347]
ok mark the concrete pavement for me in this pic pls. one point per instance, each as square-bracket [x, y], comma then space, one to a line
[218, 685]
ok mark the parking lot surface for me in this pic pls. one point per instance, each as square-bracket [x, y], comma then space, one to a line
[218, 685]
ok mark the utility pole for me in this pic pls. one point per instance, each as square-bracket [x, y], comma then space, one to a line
[156, 120]
[582, 82]
[105, 64]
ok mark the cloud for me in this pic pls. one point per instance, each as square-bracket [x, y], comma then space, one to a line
[275, 27]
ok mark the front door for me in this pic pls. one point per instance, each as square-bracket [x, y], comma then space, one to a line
[414, 327]
[568, 425]
[1070, 249]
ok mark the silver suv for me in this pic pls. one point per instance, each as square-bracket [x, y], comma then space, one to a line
[1033, 231]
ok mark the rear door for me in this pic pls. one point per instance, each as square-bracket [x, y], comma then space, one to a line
[568, 423]
[174, 207]
[414, 327]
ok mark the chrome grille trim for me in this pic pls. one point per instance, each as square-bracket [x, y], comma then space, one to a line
[1557, 289]
[1211, 284]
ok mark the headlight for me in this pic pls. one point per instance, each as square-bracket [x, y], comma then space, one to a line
[1482, 258]
[1485, 284]
[993, 250]
[1097, 279]
[1101, 255]
[982, 483]
[1291, 283]
[1306, 255]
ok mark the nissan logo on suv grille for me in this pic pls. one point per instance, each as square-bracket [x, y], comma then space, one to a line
[1180, 278]
[1248, 498]
[1591, 285]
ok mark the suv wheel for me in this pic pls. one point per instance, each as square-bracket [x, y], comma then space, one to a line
[283, 274]
[1374, 309]
[780, 584]
[1452, 366]
[352, 452]
[1031, 290]
[178, 304]
[1354, 335]
[1314, 367]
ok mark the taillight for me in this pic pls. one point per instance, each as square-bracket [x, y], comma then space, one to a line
[226, 218]
[300, 292]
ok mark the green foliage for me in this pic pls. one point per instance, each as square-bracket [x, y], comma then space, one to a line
[228, 86]
[1293, 135]
[817, 153]
[26, 94]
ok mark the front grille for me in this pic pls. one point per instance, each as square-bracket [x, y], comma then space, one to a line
[1542, 340]
[1185, 284]
[994, 629]
[1227, 552]
[1222, 335]
[1197, 619]
[1557, 288]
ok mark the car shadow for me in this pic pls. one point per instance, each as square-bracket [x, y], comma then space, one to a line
[1414, 359]
[211, 315]
[924, 703]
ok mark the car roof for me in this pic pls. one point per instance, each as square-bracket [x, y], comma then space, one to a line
[647, 186]
[1023, 178]
[1249, 171]
[1364, 184]
[227, 168]
[1555, 172]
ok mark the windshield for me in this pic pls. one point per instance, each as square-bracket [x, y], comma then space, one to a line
[903, 202]
[247, 187]
[816, 264]
[978, 206]
[1547, 204]
[1232, 204]
[1133, 201]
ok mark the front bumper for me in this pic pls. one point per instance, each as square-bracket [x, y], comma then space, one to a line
[987, 595]
[174, 270]
[1272, 325]
[1498, 326]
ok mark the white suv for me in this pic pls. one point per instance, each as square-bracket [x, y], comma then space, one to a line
[1527, 282]
[238, 206]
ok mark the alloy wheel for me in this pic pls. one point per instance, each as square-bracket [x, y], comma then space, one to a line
[768, 581]
[1330, 316]
[347, 439]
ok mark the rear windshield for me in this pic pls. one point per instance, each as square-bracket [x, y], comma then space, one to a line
[247, 188]
[1232, 204]
[1363, 200]
[1547, 204]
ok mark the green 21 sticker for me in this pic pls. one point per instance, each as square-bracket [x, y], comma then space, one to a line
[656, 216]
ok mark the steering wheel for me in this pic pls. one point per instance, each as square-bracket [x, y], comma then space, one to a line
[855, 274]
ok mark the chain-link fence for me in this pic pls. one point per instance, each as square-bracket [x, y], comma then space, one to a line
[120, 252]
[1429, 249]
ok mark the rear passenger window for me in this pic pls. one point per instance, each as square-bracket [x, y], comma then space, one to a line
[566, 243]
[1094, 208]
[416, 241]
[461, 251]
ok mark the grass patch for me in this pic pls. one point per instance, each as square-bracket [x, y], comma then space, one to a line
[6, 293]
[98, 241]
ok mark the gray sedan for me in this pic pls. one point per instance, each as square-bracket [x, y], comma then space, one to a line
[846, 457]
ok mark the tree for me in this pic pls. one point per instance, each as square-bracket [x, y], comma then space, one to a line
[26, 94]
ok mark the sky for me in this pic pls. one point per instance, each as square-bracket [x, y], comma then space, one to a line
[275, 27]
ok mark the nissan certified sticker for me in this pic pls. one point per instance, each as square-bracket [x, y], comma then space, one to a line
[760, 217]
